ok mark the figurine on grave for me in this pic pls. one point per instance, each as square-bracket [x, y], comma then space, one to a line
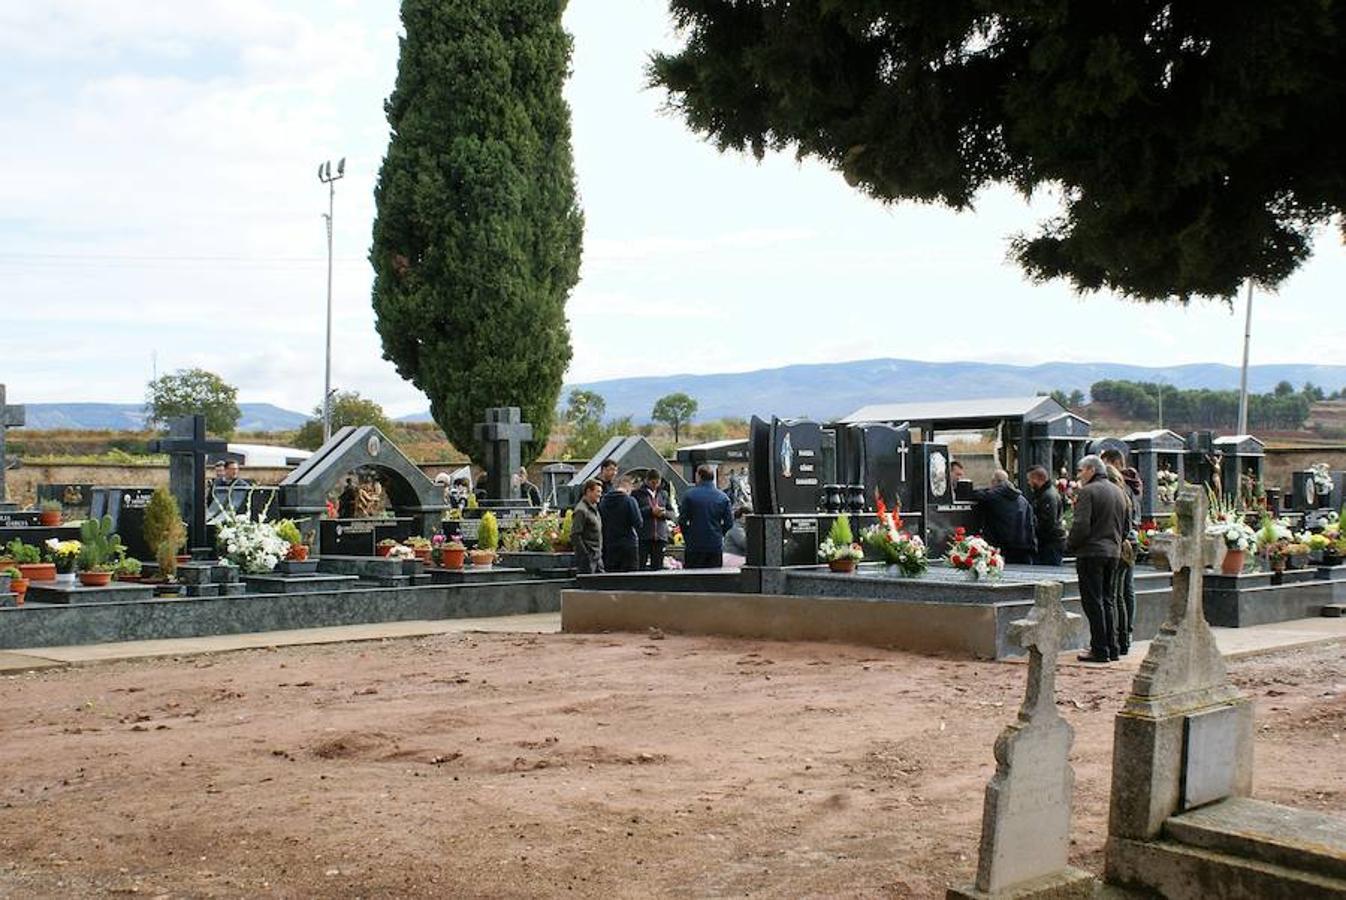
[369, 498]
[347, 500]
[740, 494]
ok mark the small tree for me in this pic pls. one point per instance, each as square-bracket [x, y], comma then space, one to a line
[674, 410]
[1076, 398]
[164, 530]
[190, 391]
[348, 408]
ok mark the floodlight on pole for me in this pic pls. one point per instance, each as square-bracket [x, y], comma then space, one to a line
[1243, 377]
[326, 177]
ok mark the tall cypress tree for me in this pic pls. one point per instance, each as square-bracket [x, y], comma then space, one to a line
[477, 235]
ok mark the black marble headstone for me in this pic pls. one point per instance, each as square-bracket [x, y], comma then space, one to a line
[19, 518]
[887, 465]
[358, 537]
[126, 506]
[759, 466]
[74, 498]
[796, 460]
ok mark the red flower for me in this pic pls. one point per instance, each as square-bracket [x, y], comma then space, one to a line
[972, 552]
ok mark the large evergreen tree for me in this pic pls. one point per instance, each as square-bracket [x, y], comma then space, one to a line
[477, 237]
[1194, 144]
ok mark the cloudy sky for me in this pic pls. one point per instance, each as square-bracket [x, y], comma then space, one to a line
[159, 206]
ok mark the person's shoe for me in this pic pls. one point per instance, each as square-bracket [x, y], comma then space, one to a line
[1124, 649]
[1114, 658]
[1089, 657]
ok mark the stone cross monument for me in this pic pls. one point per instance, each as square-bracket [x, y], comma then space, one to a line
[1025, 826]
[187, 446]
[10, 417]
[503, 434]
[1184, 738]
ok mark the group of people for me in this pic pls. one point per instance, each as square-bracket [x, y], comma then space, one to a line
[1029, 529]
[624, 524]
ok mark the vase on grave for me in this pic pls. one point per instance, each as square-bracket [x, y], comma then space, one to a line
[855, 498]
[1233, 562]
[832, 499]
[95, 579]
[482, 557]
[841, 565]
[452, 557]
[49, 518]
[19, 586]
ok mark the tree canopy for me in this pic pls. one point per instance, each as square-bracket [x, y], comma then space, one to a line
[348, 408]
[674, 410]
[1193, 144]
[188, 392]
[476, 242]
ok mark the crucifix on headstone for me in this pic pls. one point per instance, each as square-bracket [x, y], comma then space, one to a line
[10, 417]
[902, 451]
[1025, 828]
[187, 446]
[503, 434]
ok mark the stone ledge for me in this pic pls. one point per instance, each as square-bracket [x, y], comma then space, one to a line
[1256, 829]
[1176, 870]
[1068, 884]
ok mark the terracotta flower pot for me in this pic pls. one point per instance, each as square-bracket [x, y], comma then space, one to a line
[95, 579]
[1233, 562]
[382, 551]
[482, 557]
[20, 587]
[38, 571]
[452, 557]
[422, 553]
[130, 579]
[841, 565]
[49, 518]
[298, 552]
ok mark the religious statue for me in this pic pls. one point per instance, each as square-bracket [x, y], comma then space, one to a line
[740, 494]
[369, 498]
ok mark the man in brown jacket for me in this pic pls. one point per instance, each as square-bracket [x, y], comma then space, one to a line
[1095, 538]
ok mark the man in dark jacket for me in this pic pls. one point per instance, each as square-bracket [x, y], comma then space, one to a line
[653, 502]
[586, 530]
[621, 528]
[1046, 502]
[705, 517]
[1096, 536]
[1007, 519]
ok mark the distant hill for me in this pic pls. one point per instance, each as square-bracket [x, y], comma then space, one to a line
[833, 389]
[131, 417]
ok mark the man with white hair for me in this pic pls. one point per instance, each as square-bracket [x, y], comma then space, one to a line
[1096, 534]
[1007, 519]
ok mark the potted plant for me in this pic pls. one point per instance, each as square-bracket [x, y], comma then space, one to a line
[839, 550]
[129, 570]
[1238, 539]
[98, 549]
[64, 555]
[28, 560]
[288, 532]
[385, 546]
[18, 585]
[973, 555]
[1297, 554]
[49, 513]
[488, 539]
[420, 546]
[562, 542]
[451, 553]
[164, 532]
[1318, 544]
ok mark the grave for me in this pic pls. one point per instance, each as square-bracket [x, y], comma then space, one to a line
[70, 593]
[417, 502]
[1241, 458]
[11, 416]
[1181, 822]
[187, 447]
[502, 436]
[1025, 828]
[126, 506]
[1153, 452]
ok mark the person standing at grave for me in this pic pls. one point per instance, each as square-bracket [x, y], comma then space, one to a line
[1124, 581]
[219, 480]
[653, 502]
[586, 530]
[1095, 537]
[1047, 527]
[236, 487]
[1007, 519]
[607, 473]
[705, 518]
[527, 490]
[621, 528]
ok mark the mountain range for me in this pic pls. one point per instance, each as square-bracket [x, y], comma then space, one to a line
[821, 391]
[131, 417]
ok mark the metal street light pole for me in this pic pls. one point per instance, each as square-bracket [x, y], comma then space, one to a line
[326, 177]
[1243, 378]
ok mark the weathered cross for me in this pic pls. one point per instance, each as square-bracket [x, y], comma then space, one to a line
[10, 417]
[902, 451]
[503, 434]
[1042, 634]
[187, 446]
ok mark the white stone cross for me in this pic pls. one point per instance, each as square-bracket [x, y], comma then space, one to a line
[1043, 634]
[902, 451]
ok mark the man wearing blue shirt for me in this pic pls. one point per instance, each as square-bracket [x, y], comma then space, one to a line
[705, 517]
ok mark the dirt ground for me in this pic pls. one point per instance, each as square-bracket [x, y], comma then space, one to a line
[580, 766]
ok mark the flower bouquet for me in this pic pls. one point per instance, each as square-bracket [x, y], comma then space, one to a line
[1238, 535]
[906, 551]
[839, 550]
[1322, 479]
[64, 555]
[254, 547]
[975, 556]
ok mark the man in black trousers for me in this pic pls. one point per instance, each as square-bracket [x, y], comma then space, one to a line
[1096, 536]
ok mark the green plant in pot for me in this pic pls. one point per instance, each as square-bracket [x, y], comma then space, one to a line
[288, 531]
[164, 531]
[99, 548]
[18, 584]
[129, 569]
[488, 539]
[49, 513]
